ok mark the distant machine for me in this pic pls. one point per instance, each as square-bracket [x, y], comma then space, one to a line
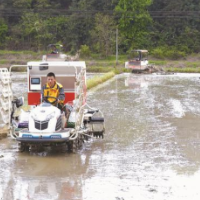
[138, 61]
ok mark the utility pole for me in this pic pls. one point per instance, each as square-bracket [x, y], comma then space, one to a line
[117, 46]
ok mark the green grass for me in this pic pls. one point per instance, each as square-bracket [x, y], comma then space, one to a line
[109, 58]
[158, 62]
[99, 69]
[6, 52]
[96, 80]
[183, 70]
[3, 62]
[192, 64]
[110, 61]
[19, 69]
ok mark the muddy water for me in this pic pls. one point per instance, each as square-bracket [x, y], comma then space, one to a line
[150, 150]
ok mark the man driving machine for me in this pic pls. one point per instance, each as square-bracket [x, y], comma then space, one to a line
[53, 92]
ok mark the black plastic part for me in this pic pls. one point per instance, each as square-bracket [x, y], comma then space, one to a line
[92, 111]
[36, 140]
[98, 134]
[19, 102]
[44, 66]
[97, 119]
[94, 120]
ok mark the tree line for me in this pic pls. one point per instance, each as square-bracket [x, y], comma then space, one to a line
[165, 27]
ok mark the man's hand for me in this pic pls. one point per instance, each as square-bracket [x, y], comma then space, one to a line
[60, 102]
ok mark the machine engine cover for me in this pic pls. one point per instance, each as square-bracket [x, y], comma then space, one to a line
[44, 118]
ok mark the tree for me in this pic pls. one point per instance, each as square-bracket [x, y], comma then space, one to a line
[134, 21]
[178, 24]
[41, 4]
[34, 31]
[104, 33]
[22, 3]
[3, 32]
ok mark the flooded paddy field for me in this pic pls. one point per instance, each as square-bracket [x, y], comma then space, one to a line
[151, 148]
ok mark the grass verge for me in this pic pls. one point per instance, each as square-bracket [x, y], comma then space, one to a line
[96, 80]
[182, 70]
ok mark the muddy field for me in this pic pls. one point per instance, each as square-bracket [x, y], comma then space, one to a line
[150, 150]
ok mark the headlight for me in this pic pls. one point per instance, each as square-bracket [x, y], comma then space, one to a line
[50, 116]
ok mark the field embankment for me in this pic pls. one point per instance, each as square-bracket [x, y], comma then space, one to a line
[96, 80]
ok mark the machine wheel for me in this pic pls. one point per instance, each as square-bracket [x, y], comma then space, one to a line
[36, 148]
[71, 146]
[62, 147]
[76, 144]
[23, 147]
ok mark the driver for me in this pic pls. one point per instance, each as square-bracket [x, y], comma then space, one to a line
[53, 91]
[54, 50]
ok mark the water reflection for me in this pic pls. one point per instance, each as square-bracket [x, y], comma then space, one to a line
[40, 176]
[46, 189]
[45, 175]
[139, 81]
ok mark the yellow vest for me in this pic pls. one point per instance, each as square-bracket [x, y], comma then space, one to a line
[52, 92]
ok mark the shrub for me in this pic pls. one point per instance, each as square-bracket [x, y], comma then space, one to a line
[168, 52]
[175, 54]
[158, 53]
[85, 51]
